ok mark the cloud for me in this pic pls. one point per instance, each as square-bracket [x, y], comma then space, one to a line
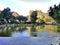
[31, 5]
[26, 6]
[23, 6]
[35, 0]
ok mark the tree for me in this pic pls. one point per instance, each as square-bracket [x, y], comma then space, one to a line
[25, 19]
[1, 18]
[6, 13]
[34, 16]
[54, 12]
[40, 19]
[22, 18]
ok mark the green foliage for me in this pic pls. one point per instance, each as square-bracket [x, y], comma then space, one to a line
[55, 12]
[40, 19]
[6, 16]
[58, 28]
[1, 16]
[22, 18]
[41, 22]
[34, 16]
[33, 31]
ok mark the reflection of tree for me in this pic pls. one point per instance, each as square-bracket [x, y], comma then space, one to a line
[22, 29]
[33, 31]
[51, 29]
[58, 28]
[40, 28]
[7, 31]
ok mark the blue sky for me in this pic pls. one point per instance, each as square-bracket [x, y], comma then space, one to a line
[23, 6]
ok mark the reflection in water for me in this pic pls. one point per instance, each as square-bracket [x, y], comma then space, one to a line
[7, 31]
[20, 34]
[32, 31]
[58, 28]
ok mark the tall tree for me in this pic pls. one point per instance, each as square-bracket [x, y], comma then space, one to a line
[34, 16]
[54, 12]
[6, 11]
[7, 14]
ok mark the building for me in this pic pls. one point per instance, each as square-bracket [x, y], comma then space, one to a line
[28, 17]
[39, 12]
[41, 15]
[15, 14]
[30, 12]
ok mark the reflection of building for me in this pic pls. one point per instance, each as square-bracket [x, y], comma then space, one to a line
[29, 30]
[41, 30]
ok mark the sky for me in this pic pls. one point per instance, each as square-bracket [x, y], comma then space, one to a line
[23, 6]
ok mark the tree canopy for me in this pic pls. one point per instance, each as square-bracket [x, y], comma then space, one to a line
[34, 16]
[54, 12]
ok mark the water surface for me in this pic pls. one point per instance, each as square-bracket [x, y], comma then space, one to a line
[33, 35]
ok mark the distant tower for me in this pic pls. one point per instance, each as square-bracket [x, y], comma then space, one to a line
[30, 12]
[39, 12]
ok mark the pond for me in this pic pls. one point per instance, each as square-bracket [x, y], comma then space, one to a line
[33, 35]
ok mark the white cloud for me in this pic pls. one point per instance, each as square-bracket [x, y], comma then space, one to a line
[31, 6]
[23, 6]
[35, 0]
